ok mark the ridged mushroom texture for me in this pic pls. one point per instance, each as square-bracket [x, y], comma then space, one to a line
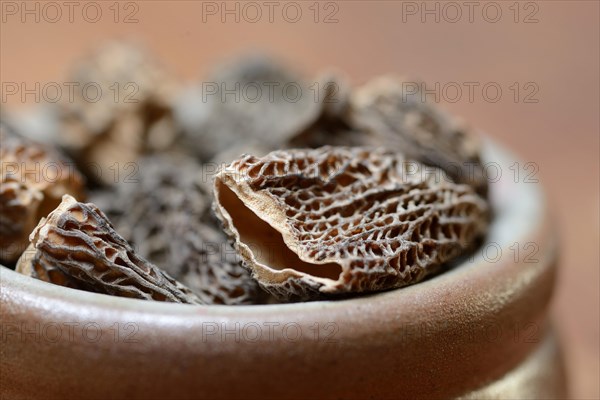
[332, 221]
[77, 239]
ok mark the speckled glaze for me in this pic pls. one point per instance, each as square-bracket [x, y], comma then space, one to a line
[477, 331]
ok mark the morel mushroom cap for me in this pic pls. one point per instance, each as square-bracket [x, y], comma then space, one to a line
[78, 239]
[337, 220]
[33, 179]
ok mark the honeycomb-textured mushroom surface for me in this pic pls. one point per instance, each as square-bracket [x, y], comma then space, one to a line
[32, 263]
[336, 220]
[213, 269]
[34, 177]
[164, 212]
[78, 239]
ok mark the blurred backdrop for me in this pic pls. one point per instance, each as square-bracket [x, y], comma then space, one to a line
[528, 74]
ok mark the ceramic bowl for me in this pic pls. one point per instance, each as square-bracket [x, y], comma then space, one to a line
[479, 330]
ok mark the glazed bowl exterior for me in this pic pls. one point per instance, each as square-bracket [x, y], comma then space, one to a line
[479, 330]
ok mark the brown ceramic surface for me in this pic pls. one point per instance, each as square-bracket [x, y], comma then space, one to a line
[461, 331]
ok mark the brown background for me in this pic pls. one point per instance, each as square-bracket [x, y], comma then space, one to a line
[559, 53]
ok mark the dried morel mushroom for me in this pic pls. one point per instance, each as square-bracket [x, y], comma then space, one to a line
[34, 178]
[79, 240]
[165, 191]
[212, 268]
[164, 214]
[253, 100]
[33, 264]
[393, 113]
[122, 108]
[338, 220]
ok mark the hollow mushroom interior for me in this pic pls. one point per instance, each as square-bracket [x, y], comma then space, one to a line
[266, 242]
